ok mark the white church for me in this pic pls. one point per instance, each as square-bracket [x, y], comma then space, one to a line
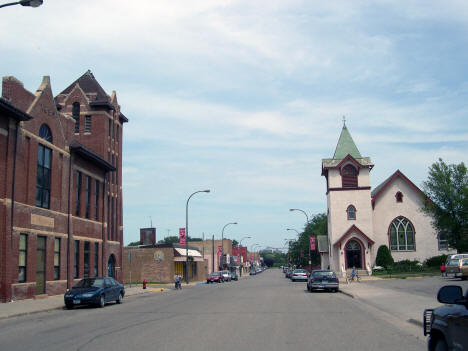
[360, 219]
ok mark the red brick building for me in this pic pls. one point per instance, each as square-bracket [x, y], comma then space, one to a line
[60, 187]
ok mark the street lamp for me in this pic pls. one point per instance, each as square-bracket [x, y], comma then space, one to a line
[187, 233]
[31, 3]
[222, 241]
[240, 252]
[294, 230]
[307, 217]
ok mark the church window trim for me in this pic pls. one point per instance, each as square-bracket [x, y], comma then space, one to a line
[399, 196]
[351, 212]
[402, 235]
[349, 176]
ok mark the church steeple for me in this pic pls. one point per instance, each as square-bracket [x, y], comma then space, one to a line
[346, 145]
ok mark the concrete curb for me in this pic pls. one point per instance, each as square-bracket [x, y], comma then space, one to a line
[346, 293]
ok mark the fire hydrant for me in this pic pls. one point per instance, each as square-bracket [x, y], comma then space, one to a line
[144, 283]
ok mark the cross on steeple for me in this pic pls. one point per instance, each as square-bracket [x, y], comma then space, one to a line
[344, 121]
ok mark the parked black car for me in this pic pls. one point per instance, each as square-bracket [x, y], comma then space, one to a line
[447, 326]
[234, 275]
[94, 291]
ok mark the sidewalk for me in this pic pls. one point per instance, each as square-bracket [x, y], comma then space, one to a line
[29, 306]
[402, 305]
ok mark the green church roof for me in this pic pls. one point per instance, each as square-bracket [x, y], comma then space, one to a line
[346, 146]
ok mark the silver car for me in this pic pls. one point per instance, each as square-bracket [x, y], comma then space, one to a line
[322, 279]
[226, 275]
[299, 274]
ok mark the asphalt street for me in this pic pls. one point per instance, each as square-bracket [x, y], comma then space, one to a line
[265, 312]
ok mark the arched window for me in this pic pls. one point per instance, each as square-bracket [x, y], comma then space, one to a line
[399, 197]
[349, 177]
[401, 235]
[351, 210]
[45, 133]
[76, 116]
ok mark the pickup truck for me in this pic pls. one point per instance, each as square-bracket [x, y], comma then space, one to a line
[447, 326]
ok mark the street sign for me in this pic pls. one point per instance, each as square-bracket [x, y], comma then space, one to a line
[182, 236]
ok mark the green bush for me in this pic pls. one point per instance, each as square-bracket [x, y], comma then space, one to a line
[435, 261]
[407, 266]
[384, 258]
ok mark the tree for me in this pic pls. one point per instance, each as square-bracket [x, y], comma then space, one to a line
[169, 240]
[316, 226]
[134, 243]
[235, 243]
[446, 189]
[384, 257]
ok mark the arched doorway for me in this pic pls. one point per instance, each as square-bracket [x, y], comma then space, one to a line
[353, 253]
[111, 266]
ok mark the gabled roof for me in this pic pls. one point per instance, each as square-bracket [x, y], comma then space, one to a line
[378, 191]
[11, 111]
[90, 155]
[352, 229]
[346, 146]
[90, 85]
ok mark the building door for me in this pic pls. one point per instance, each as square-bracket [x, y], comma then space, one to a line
[111, 266]
[40, 265]
[353, 255]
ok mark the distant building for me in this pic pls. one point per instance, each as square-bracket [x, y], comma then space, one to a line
[361, 220]
[161, 262]
[61, 194]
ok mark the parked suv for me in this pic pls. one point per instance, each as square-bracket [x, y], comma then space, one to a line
[447, 326]
[226, 275]
[457, 267]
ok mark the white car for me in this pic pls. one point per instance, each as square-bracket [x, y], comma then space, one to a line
[226, 275]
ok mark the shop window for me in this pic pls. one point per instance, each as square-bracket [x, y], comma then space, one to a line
[57, 259]
[86, 260]
[22, 257]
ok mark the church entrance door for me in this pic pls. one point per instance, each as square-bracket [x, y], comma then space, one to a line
[353, 255]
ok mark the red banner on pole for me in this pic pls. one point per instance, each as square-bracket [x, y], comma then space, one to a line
[220, 251]
[181, 236]
[312, 243]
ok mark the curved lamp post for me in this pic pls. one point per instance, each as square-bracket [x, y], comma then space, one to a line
[222, 241]
[307, 217]
[31, 3]
[187, 233]
[240, 251]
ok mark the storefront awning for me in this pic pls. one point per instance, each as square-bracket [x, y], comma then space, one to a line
[191, 253]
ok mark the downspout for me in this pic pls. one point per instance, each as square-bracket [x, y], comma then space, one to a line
[70, 241]
[12, 209]
[104, 216]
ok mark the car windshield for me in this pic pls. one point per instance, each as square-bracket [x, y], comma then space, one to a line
[90, 283]
[453, 262]
[324, 274]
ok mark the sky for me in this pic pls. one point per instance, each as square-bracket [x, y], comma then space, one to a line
[245, 98]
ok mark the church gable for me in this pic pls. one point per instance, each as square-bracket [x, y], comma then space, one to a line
[398, 186]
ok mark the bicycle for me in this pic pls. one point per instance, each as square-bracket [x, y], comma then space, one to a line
[350, 278]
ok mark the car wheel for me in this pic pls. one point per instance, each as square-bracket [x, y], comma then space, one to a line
[68, 306]
[441, 345]
[102, 301]
[119, 299]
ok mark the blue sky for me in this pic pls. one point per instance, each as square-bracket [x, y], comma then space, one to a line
[246, 97]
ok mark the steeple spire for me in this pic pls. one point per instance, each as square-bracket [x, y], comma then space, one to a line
[346, 145]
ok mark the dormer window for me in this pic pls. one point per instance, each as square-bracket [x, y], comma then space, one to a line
[349, 177]
[399, 197]
[351, 211]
